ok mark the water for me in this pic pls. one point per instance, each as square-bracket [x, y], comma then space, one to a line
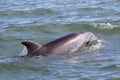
[46, 20]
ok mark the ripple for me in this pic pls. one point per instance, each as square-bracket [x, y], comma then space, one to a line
[111, 67]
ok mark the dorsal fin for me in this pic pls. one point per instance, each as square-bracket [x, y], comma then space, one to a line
[31, 46]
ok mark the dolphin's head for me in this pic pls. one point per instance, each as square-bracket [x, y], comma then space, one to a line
[91, 38]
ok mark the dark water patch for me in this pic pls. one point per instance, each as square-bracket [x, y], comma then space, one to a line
[114, 78]
[30, 67]
[113, 67]
[14, 64]
[29, 13]
[38, 31]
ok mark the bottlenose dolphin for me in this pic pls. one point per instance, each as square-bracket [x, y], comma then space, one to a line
[68, 43]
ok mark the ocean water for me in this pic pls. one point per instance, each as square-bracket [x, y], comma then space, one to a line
[46, 20]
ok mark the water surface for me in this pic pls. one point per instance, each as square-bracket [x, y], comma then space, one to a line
[46, 20]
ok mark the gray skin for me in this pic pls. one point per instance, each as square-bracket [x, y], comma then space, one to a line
[68, 43]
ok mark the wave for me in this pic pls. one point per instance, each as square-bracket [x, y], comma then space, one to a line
[99, 28]
[104, 25]
[107, 28]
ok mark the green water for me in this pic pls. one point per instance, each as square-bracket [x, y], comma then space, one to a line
[45, 20]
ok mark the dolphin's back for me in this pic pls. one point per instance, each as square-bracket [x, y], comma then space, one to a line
[60, 45]
[61, 40]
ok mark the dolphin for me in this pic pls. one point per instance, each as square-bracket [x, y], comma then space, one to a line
[68, 43]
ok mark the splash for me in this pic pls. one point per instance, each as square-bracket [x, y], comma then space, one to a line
[104, 25]
[96, 45]
[24, 51]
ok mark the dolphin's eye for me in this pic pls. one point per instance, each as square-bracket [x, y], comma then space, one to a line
[88, 42]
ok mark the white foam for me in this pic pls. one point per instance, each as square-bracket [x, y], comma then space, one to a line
[94, 47]
[104, 25]
[24, 51]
